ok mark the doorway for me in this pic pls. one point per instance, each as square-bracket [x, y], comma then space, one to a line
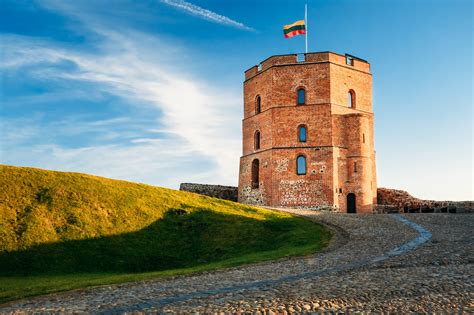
[255, 175]
[351, 203]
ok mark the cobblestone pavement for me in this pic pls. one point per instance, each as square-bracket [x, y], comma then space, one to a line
[412, 263]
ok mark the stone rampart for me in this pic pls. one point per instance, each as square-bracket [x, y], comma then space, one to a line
[388, 200]
[394, 200]
[216, 191]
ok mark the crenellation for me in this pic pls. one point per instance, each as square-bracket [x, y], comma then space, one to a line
[309, 58]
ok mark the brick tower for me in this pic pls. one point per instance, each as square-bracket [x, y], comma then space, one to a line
[308, 133]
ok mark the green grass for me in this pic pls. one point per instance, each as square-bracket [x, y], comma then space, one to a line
[62, 231]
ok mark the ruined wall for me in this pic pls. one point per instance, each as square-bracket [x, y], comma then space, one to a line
[216, 191]
[394, 200]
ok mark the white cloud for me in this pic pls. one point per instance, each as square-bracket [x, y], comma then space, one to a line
[201, 120]
[206, 14]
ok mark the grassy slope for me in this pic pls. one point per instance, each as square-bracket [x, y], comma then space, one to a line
[61, 231]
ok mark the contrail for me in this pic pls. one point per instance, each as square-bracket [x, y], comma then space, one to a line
[206, 14]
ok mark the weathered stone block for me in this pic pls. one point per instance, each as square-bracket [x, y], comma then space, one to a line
[216, 191]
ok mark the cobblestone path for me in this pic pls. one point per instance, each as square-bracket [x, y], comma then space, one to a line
[416, 262]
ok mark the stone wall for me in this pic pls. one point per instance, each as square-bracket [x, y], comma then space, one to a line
[217, 191]
[393, 200]
[388, 200]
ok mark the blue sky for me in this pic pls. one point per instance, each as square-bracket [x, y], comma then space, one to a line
[151, 91]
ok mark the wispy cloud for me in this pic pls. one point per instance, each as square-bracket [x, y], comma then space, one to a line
[201, 121]
[206, 14]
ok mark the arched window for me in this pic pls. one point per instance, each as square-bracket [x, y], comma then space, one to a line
[301, 96]
[351, 99]
[255, 171]
[302, 133]
[301, 165]
[258, 106]
[257, 140]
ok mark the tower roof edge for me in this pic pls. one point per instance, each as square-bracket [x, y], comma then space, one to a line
[311, 57]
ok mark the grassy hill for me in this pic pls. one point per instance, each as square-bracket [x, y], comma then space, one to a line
[60, 231]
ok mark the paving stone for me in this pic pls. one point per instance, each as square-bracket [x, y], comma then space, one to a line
[355, 274]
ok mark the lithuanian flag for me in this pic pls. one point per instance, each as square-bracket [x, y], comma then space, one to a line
[297, 28]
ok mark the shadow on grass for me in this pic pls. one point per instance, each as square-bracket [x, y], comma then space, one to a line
[181, 239]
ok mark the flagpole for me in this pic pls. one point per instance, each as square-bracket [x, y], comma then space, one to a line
[306, 22]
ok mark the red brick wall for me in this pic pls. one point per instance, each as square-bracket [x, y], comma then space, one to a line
[337, 136]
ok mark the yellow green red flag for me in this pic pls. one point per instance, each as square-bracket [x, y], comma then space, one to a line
[297, 28]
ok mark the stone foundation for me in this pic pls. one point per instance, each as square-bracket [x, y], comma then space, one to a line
[388, 200]
[399, 201]
[216, 191]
